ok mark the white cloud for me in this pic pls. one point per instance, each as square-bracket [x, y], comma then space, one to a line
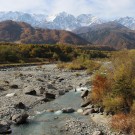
[115, 8]
[22, 5]
[101, 8]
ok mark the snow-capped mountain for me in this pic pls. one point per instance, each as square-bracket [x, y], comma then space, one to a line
[61, 21]
[127, 21]
[33, 19]
[88, 19]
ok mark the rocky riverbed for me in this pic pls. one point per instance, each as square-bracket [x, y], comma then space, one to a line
[44, 92]
[28, 85]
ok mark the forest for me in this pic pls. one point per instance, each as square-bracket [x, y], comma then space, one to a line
[27, 53]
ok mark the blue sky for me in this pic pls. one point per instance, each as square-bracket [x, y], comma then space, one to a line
[101, 8]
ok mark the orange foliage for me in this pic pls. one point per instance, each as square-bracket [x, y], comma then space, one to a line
[120, 122]
[99, 87]
[124, 123]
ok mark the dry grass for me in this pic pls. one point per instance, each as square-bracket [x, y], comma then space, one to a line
[81, 64]
[124, 123]
[99, 88]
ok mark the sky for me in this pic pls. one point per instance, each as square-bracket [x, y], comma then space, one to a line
[101, 8]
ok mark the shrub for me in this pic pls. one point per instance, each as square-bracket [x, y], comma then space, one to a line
[115, 90]
[124, 123]
[113, 104]
[99, 88]
[93, 66]
[121, 122]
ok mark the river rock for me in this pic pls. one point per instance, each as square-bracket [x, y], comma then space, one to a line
[5, 127]
[84, 94]
[58, 112]
[61, 92]
[50, 86]
[50, 110]
[49, 95]
[1, 88]
[61, 79]
[30, 91]
[85, 104]
[80, 111]
[41, 90]
[80, 84]
[11, 95]
[88, 111]
[20, 118]
[68, 110]
[20, 105]
[14, 86]
[89, 106]
[97, 133]
[96, 110]
[44, 99]
[101, 109]
[69, 87]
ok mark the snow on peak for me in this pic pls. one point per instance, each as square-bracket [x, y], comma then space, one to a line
[62, 20]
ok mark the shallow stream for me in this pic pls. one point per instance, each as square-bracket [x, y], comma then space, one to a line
[49, 123]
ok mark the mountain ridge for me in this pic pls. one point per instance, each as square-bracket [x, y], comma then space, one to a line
[63, 20]
[11, 31]
[109, 34]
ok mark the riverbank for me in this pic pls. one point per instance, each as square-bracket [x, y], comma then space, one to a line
[27, 85]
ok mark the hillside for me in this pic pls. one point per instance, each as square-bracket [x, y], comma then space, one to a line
[111, 34]
[21, 32]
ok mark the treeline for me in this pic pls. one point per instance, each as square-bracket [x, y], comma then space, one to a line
[114, 89]
[17, 53]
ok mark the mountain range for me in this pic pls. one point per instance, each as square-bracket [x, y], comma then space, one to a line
[63, 20]
[21, 32]
[111, 34]
[84, 29]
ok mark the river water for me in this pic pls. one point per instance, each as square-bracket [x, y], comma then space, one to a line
[48, 123]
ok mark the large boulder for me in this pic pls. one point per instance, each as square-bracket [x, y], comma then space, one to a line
[20, 118]
[68, 110]
[5, 128]
[49, 95]
[30, 91]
